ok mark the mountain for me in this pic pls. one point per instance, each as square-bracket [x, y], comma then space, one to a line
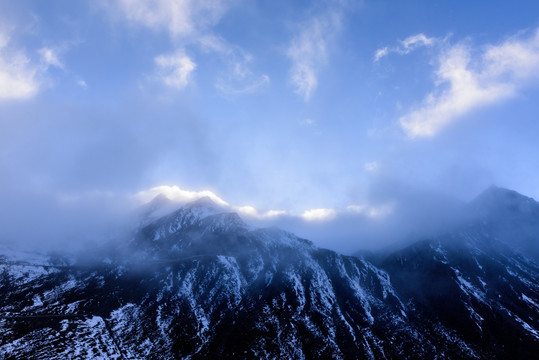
[511, 217]
[199, 283]
[474, 285]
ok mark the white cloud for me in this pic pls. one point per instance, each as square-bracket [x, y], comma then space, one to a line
[274, 213]
[308, 51]
[174, 70]
[380, 53]
[373, 212]
[406, 46]
[238, 78]
[18, 76]
[415, 41]
[82, 83]
[182, 196]
[241, 79]
[190, 23]
[319, 214]
[180, 18]
[176, 194]
[247, 210]
[466, 82]
[49, 57]
[252, 212]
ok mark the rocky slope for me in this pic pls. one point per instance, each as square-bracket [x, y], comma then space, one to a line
[199, 283]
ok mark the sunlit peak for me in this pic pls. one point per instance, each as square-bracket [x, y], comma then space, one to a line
[176, 194]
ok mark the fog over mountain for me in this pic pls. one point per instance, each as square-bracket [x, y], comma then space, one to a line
[198, 282]
[192, 179]
[88, 220]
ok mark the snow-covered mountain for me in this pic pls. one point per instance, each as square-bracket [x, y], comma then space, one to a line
[199, 283]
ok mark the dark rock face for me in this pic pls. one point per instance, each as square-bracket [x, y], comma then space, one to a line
[199, 283]
[510, 217]
[467, 282]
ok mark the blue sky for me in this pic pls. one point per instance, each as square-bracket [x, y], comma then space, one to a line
[310, 109]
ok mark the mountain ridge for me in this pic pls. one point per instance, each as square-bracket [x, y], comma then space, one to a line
[197, 283]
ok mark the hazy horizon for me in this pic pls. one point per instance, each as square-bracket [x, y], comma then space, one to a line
[337, 120]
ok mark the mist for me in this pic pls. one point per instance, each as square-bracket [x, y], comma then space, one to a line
[411, 214]
[68, 175]
[72, 156]
[399, 214]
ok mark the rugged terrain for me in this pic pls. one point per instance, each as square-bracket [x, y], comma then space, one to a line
[199, 283]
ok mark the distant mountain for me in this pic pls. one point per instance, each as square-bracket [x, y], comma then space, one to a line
[156, 208]
[511, 217]
[199, 283]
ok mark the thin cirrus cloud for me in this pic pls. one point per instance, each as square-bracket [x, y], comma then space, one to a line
[190, 23]
[466, 82]
[405, 46]
[308, 50]
[18, 75]
[22, 77]
[179, 18]
[238, 78]
[174, 70]
[49, 57]
[241, 80]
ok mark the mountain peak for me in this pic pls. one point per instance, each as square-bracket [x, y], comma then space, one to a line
[499, 198]
[158, 201]
[156, 208]
[495, 190]
[204, 206]
[203, 201]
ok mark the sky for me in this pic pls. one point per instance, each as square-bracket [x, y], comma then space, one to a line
[315, 111]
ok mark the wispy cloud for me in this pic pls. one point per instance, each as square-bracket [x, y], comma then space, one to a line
[240, 78]
[18, 76]
[174, 70]
[466, 82]
[373, 212]
[180, 18]
[49, 57]
[405, 46]
[308, 50]
[190, 24]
